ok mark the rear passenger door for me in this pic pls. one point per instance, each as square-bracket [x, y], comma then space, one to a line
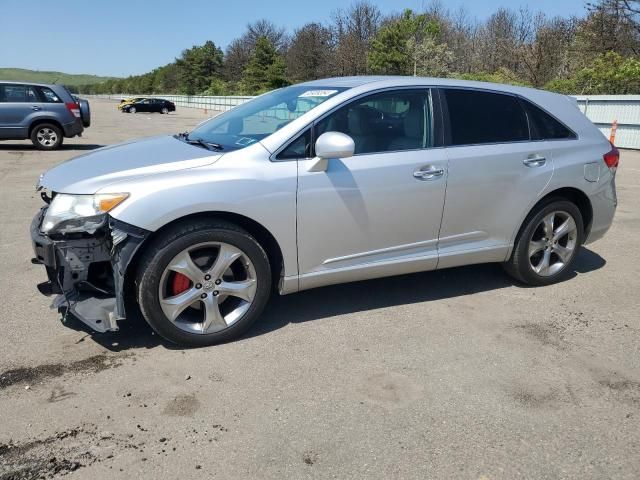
[52, 105]
[496, 173]
[155, 105]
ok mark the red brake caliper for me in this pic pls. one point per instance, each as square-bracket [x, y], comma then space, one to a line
[179, 283]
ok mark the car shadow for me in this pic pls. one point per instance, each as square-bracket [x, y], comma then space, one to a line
[347, 298]
[63, 147]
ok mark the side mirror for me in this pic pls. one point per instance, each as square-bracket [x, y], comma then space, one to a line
[331, 145]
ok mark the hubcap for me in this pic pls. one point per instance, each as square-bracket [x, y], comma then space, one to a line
[207, 287]
[553, 243]
[47, 137]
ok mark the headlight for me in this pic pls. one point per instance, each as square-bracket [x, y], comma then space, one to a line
[79, 213]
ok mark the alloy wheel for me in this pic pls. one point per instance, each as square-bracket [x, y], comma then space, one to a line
[553, 243]
[47, 137]
[207, 287]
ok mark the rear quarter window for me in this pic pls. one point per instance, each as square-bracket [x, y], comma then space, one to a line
[48, 96]
[544, 126]
[477, 117]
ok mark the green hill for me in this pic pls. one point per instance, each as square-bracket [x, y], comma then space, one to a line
[37, 76]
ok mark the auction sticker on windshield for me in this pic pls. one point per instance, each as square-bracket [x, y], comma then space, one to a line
[318, 93]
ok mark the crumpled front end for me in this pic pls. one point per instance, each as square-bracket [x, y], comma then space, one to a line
[86, 270]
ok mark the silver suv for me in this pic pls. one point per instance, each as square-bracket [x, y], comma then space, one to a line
[325, 182]
[43, 113]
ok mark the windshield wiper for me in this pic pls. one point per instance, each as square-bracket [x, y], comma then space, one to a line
[198, 141]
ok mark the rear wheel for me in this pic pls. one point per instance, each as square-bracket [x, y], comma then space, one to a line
[46, 136]
[203, 283]
[546, 247]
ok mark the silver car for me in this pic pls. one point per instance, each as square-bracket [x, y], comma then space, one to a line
[324, 182]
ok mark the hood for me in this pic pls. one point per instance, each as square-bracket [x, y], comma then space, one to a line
[92, 171]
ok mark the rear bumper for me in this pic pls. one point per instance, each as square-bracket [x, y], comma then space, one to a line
[86, 273]
[73, 129]
[603, 204]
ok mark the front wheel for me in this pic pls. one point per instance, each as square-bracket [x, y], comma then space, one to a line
[164, 110]
[203, 283]
[547, 245]
[132, 110]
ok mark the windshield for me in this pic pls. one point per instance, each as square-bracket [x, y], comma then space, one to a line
[254, 120]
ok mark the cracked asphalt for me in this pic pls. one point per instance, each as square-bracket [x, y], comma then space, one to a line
[457, 373]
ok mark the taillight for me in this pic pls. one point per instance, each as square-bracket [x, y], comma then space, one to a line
[74, 108]
[612, 158]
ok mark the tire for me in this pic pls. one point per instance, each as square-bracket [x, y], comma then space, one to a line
[131, 110]
[46, 136]
[164, 110]
[155, 272]
[533, 244]
[85, 113]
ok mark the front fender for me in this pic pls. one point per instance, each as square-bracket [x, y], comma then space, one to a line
[256, 188]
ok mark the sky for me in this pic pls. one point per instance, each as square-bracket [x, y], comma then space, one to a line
[128, 37]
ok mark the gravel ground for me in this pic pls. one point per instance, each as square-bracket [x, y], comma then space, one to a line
[451, 374]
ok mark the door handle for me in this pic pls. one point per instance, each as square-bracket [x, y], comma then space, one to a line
[534, 161]
[36, 108]
[428, 172]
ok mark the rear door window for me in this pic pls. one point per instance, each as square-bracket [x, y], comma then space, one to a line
[544, 126]
[478, 117]
[19, 94]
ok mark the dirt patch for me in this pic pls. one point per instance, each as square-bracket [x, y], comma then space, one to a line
[545, 334]
[625, 390]
[59, 454]
[310, 457]
[182, 406]
[58, 394]
[558, 330]
[391, 390]
[31, 375]
[70, 450]
[532, 399]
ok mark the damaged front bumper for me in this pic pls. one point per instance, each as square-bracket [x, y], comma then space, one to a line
[86, 271]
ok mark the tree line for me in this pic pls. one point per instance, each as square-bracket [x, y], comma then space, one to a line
[594, 53]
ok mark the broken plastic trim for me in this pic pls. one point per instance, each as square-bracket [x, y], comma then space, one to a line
[68, 260]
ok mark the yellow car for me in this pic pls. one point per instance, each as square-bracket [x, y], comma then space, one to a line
[128, 101]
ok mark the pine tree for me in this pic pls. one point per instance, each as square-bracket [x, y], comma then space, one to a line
[265, 70]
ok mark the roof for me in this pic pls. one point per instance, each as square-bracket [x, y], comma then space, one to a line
[382, 81]
[35, 84]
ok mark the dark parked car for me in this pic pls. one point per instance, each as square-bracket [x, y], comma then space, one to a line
[44, 113]
[150, 105]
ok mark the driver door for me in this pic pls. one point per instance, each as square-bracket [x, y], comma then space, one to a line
[378, 212]
[143, 105]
